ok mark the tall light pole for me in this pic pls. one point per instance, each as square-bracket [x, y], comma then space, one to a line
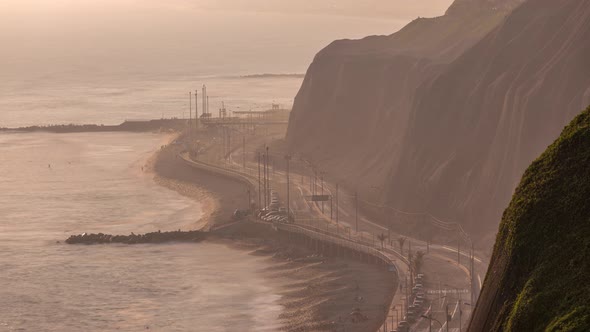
[259, 192]
[196, 110]
[244, 152]
[288, 158]
[336, 203]
[264, 178]
[205, 100]
[267, 175]
[322, 179]
[356, 199]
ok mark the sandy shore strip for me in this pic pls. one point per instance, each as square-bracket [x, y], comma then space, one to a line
[318, 293]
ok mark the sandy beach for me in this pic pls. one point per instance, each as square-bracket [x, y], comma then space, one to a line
[318, 293]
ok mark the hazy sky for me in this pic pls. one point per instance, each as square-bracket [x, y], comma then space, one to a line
[59, 35]
[398, 9]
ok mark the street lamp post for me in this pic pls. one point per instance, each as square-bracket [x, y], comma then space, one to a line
[356, 199]
[322, 183]
[288, 158]
[259, 184]
[268, 175]
[336, 203]
[264, 179]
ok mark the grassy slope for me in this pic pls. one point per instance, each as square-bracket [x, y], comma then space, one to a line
[542, 255]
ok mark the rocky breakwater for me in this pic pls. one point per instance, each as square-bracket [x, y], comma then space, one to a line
[155, 237]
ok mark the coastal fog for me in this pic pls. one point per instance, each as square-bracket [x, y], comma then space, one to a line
[102, 62]
[105, 61]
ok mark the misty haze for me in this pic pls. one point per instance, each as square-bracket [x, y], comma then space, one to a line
[282, 165]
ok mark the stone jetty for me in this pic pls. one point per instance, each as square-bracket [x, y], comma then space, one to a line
[155, 237]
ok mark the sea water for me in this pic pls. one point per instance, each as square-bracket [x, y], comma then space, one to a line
[53, 186]
[103, 66]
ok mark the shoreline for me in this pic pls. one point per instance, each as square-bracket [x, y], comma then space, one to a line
[317, 293]
[138, 126]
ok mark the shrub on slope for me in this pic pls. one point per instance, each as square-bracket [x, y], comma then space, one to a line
[538, 278]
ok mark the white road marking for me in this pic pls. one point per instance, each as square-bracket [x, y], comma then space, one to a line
[462, 253]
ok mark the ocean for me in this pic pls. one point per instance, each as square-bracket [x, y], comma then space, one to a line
[52, 186]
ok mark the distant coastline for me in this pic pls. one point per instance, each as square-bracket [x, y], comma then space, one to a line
[173, 124]
[267, 75]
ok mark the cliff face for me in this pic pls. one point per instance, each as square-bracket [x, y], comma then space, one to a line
[538, 276]
[356, 98]
[477, 125]
[446, 114]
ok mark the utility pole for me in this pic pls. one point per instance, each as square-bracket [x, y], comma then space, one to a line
[205, 99]
[356, 198]
[315, 181]
[472, 270]
[336, 203]
[244, 151]
[190, 113]
[228, 143]
[331, 208]
[196, 110]
[288, 158]
[264, 181]
[322, 179]
[407, 296]
[267, 175]
[223, 142]
[458, 251]
[259, 192]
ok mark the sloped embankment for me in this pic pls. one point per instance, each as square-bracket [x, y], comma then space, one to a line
[538, 276]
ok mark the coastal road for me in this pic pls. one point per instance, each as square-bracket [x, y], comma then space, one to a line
[448, 281]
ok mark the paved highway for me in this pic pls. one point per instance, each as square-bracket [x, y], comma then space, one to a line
[448, 281]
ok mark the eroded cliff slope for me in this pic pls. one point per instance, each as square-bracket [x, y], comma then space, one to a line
[538, 276]
[446, 114]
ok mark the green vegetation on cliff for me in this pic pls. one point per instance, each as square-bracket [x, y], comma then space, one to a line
[539, 276]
